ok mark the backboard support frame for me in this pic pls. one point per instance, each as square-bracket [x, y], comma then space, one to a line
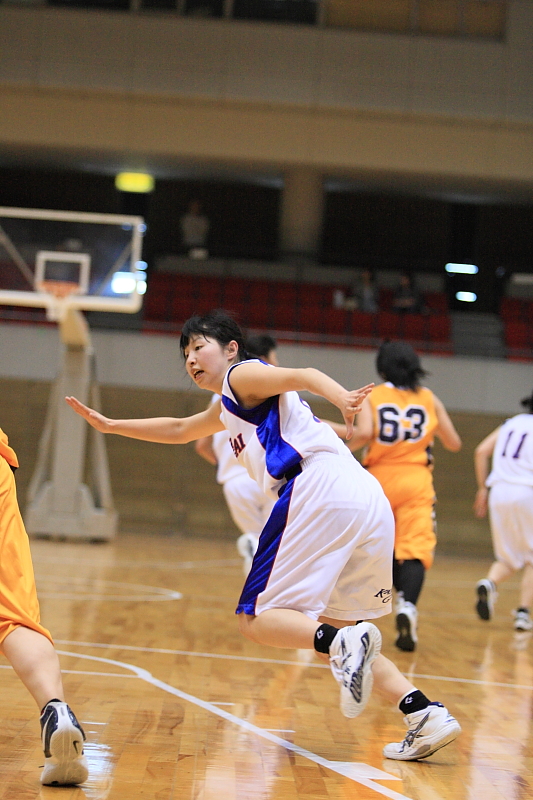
[59, 503]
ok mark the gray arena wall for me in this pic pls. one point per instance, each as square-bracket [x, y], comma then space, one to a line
[170, 490]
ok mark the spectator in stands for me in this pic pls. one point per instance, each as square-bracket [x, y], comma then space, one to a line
[366, 292]
[362, 295]
[194, 225]
[406, 297]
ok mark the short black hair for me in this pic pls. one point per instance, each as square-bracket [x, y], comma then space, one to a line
[218, 325]
[260, 345]
[527, 402]
[398, 363]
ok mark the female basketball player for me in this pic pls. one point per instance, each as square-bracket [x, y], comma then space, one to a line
[398, 422]
[325, 554]
[27, 645]
[249, 506]
[511, 510]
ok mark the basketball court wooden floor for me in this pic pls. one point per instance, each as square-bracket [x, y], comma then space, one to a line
[176, 704]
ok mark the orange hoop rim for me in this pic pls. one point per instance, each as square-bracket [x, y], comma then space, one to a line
[59, 289]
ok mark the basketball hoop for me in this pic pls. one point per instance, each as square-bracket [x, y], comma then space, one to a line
[58, 291]
[59, 288]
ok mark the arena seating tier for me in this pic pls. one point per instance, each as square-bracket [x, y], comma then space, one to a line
[517, 316]
[302, 312]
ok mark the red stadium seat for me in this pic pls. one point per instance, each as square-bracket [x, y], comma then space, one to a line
[512, 308]
[233, 291]
[314, 294]
[157, 306]
[439, 328]
[388, 324]
[385, 299]
[259, 291]
[286, 292]
[517, 334]
[285, 316]
[182, 307]
[337, 321]
[414, 327]
[257, 315]
[311, 318]
[528, 312]
[363, 324]
[436, 301]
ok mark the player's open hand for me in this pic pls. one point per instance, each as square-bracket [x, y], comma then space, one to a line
[351, 405]
[93, 417]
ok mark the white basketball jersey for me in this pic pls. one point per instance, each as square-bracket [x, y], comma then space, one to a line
[512, 460]
[272, 438]
[227, 465]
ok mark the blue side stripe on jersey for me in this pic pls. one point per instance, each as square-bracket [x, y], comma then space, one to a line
[269, 543]
[253, 415]
[280, 455]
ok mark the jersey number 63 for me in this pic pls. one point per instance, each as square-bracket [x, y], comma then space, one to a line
[401, 424]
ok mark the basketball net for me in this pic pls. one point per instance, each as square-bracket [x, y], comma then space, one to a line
[58, 292]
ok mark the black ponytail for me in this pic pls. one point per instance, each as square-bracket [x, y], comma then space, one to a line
[527, 402]
[398, 363]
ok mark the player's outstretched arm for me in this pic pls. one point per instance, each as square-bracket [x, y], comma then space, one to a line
[446, 430]
[482, 456]
[165, 430]
[253, 383]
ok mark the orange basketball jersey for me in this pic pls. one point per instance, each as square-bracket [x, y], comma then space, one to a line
[404, 425]
[6, 451]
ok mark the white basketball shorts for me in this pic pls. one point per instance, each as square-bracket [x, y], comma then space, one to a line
[327, 547]
[248, 505]
[511, 522]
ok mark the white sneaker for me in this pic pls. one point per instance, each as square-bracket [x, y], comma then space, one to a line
[522, 620]
[351, 655]
[62, 737]
[247, 545]
[486, 597]
[429, 730]
[406, 619]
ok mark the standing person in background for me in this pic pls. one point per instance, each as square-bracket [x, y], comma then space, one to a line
[248, 505]
[194, 226]
[406, 298]
[511, 510]
[364, 294]
[27, 645]
[323, 565]
[398, 422]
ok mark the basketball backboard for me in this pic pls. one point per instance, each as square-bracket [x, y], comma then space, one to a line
[63, 259]
[67, 263]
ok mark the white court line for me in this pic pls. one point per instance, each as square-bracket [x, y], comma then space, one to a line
[84, 672]
[141, 598]
[281, 730]
[95, 587]
[361, 773]
[253, 659]
[118, 562]
[164, 651]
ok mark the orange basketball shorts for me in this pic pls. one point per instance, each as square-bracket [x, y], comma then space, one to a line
[409, 490]
[18, 597]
